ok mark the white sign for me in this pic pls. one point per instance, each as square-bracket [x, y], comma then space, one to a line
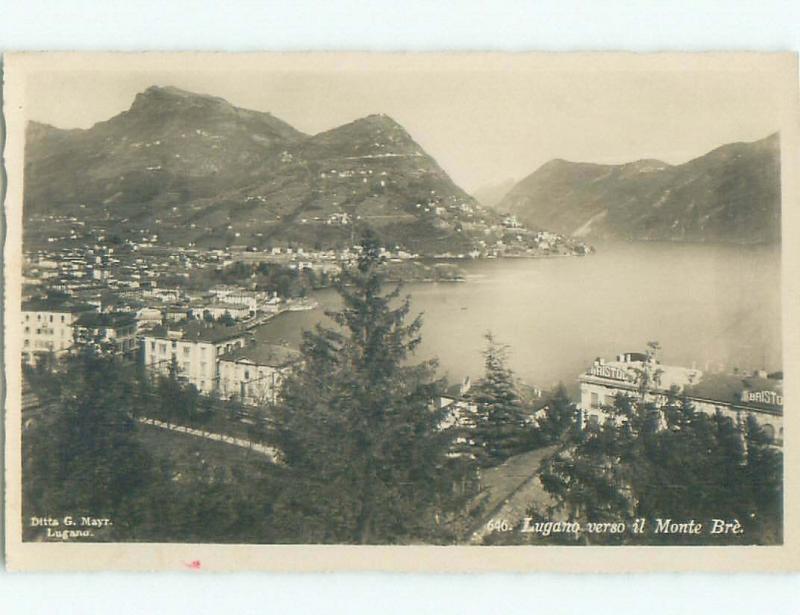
[763, 397]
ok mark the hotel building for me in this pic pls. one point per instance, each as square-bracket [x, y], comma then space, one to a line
[254, 374]
[47, 327]
[194, 349]
[734, 395]
[109, 334]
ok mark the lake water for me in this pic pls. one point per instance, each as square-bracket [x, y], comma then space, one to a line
[713, 306]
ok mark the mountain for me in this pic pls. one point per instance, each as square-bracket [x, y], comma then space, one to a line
[731, 194]
[194, 169]
[490, 195]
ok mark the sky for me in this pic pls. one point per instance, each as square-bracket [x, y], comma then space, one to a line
[484, 122]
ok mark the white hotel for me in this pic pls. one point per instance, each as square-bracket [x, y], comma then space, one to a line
[735, 395]
[195, 349]
[47, 327]
[254, 374]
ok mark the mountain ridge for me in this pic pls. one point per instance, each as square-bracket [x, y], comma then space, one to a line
[729, 194]
[194, 169]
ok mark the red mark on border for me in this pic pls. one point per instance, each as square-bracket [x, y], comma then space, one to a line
[194, 564]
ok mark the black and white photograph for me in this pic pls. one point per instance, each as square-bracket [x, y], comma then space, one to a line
[474, 300]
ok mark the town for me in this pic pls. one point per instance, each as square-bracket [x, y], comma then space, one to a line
[149, 302]
[158, 307]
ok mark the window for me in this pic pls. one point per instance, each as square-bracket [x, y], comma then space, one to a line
[27, 329]
[27, 342]
[153, 346]
[246, 374]
[186, 351]
[27, 317]
[51, 318]
[769, 432]
[594, 422]
[62, 318]
[595, 403]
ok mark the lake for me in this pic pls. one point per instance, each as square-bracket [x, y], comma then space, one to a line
[715, 307]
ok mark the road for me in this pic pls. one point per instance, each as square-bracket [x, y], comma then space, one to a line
[510, 489]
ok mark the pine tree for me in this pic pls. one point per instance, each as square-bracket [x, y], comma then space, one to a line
[358, 427]
[500, 430]
[560, 416]
[84, 458]
[697, 466]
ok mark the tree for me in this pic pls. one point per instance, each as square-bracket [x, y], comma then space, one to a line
[84, 458]
[559, 416]
[649, 375]
[685, 465]
[87, 456]
[501, 429]
[358, 426]
[226, 319]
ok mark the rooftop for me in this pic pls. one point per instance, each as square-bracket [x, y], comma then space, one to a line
[739, 389]
[628, 369]
[223, 306]
[198, 331]
[95, 319]
[755, 390]
[272, 355]
[51, 304]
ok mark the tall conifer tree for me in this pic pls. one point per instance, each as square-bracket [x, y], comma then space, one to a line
[358, 426]
[500, 429]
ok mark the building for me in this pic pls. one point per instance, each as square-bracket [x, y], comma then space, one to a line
[193, 348]
[253, 374]
[237, 311]
[110, 334]
[148, 317]
[461, 410]
[734, 395]
[235, 295]
[47, 328]
[175, 313]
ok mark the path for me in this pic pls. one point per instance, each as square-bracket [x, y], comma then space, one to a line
[267, 451]
[510, 489]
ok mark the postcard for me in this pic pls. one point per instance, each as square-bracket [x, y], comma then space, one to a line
[407, 312]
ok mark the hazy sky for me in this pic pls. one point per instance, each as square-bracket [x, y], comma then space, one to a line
[482, 124]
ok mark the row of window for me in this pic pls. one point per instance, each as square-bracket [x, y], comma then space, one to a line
[39, 317]
[49, 331]
[162, 348]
